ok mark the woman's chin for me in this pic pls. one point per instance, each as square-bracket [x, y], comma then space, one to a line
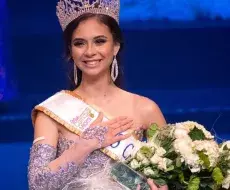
[92, 72]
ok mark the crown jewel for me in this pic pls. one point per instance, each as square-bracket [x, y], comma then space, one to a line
[68, 10]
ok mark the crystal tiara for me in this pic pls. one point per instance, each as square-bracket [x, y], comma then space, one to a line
[68, 10]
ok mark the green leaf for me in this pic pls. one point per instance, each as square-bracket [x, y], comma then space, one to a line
[151, 131]
[217, 175]
[159, 181]
[146, 151]
[167, 145]
[178, 162]
[194, 183]
[170, 168]
[196, 134]
[205, 159]
[181, 177]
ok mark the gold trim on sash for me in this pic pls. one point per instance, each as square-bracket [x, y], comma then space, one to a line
[56, 118]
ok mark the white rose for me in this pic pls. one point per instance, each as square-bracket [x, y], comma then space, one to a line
[184, 148]
[140, 156]
[155, 159]
[210, 148]
[227, 144]
[134, 164]
[193, 161]
[148, 171]
[168, 161]
[145, 162]
[162, 164]
[195, 169]
[180, 133]
[160, 151]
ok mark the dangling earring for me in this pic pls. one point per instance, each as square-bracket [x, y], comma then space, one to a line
[114, 69]
[75, 74]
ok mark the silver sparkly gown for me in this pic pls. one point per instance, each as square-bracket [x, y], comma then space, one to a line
[92, 175]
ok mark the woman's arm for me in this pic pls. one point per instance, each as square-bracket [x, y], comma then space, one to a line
[45, 171]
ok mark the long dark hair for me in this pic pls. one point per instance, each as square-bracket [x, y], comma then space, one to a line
[117, 37]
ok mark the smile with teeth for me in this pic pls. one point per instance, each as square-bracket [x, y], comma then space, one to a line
[92, 62]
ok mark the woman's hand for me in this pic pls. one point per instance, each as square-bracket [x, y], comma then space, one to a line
[153, 186]
[103, 134]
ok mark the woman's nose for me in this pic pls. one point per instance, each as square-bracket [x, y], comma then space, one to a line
[90, 51]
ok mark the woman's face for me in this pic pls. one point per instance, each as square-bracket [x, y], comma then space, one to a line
[93, 47]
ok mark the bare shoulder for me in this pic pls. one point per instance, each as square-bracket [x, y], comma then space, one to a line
[44, 120]
[149, 110]
[46, 127]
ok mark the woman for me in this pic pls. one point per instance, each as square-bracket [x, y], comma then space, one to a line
[59, 158]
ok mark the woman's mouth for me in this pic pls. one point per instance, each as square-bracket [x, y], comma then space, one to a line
[91, 63]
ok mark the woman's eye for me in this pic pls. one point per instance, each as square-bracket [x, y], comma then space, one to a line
[77, 44]
[100, 41]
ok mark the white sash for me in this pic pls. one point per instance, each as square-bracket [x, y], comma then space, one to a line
[72, 112]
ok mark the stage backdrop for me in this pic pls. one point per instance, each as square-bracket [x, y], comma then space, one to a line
[7, 80]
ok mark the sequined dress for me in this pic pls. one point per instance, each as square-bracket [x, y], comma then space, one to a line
[93, 174]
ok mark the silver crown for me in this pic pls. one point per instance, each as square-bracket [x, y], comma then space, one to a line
[68, 10]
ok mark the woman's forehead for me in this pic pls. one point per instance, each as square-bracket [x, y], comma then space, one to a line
[91, 28]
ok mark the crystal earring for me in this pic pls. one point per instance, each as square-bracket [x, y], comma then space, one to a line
[114, 69]
[75, 74]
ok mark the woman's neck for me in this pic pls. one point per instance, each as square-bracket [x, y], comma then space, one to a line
[96, 89]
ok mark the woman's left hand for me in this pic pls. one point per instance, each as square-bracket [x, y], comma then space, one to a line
[153, 186]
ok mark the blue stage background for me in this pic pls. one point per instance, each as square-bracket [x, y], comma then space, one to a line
[176, 54]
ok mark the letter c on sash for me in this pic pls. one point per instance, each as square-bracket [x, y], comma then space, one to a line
[126, 157]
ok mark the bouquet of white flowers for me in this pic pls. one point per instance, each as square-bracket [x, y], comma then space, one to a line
[182, 155]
